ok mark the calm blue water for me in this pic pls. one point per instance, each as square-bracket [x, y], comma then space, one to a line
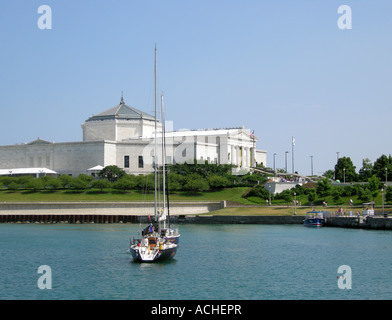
[234, 262]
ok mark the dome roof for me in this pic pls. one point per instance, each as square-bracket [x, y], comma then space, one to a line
[121, 112]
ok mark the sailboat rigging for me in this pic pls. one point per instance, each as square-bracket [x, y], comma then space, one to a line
[158, 242]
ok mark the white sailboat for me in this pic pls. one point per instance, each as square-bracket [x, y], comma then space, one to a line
[159, 241]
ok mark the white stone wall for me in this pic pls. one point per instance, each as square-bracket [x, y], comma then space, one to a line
[118, 130]
[76, 157]
[261, 157]
[278, 187]
[99, 130]
[134, 151]
[13, 157]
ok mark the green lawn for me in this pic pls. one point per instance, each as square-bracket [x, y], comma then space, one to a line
[263, 211]
[233, 195]
[230, 194]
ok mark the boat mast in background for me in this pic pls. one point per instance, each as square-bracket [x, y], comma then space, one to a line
[163, 164]
[155, 137]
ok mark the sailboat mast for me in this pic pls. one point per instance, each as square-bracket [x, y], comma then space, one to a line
[155, 137]
[163, 160]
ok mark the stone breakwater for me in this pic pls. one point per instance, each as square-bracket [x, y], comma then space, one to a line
[105, 208]
[124, 212]
[239, 219]
[369, 222]
[98, 212]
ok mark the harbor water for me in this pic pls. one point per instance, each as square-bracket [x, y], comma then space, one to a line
[213, 262]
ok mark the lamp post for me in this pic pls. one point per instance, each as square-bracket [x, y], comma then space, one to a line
[295, 204]
[274, 160]
[337, 160]
[386, 176]
[382, 200]
[269, 189]
[344, 175]
[285, 160]
[311, 165]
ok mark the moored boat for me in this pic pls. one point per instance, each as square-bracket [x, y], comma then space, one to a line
[314, 219]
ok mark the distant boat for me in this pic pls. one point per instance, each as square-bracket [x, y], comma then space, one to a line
[158, 240]
[314, 219]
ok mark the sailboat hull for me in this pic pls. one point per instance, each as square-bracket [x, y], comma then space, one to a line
[152, 256]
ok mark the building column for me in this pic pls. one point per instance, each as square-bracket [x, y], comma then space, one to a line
[242, 156]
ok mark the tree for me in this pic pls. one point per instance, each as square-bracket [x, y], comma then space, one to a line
[7, 180]
[50, 182]
[388, 194]
[111, 173]
[145, 182]
[101, 184]
[217, 181]
[337, 195]
[257, 191]
[196, 183]
[380, 165]
[323, 188]
[65, 180]
[330, 174]
[13, 186]
[345, 170]
[349, 191]
[78, 184]
[35, 184]
[175, 181]
[22, 180]
[312, 196]
[364, 194]
[127, 182]
[366, 171]
[287, 196]
[89, 179]
[374, 185]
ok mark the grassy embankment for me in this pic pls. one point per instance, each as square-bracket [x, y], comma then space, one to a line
[239, 205]
[112, 195]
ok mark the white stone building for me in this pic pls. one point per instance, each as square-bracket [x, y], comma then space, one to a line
[124, 136]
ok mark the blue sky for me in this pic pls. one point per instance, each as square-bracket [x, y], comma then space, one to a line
[281, 68]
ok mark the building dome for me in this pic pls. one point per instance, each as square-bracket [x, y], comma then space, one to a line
[121, 112]
[119, 123]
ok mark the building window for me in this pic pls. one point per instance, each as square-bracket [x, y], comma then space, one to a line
[126, 161]
[47, 160]
[141, 164]
[31, 161]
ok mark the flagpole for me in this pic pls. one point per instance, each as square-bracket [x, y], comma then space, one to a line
[292, 152]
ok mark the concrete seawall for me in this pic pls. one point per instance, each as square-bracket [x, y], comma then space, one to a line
[105, 208]
[218, 219]
[370, 222]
